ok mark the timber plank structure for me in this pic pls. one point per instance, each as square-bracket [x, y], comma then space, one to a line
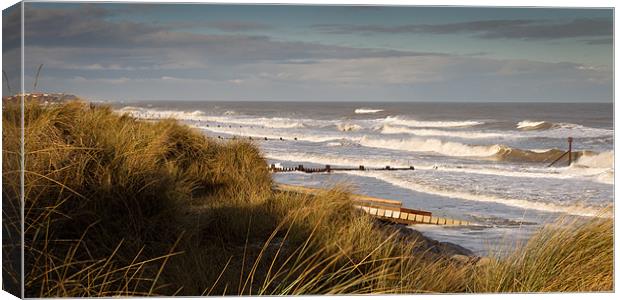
[329, 169]
[385, 209]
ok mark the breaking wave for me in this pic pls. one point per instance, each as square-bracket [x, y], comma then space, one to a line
[519, 155]
[555, 130]
[363, 110]
[275, 122]
[596, 160]
[534, 125]
[389, 129]
[348, 127]
[599, 175]
[259, 134]
[494, 152]
[465, 195]
[431, 145]
[145, 113]
[290, 129]
[396, 120]
[199, 116]
[587, 159]
[606, 177]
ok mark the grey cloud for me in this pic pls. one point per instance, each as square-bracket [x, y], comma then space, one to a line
[490, 29]
[450, 77]
[236, 26]
[226, 26]
[87, 54]
[82, 42]
[87, 28]
[600, 41]
[11, 28]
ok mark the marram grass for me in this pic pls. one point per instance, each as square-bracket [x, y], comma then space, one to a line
[117, 207]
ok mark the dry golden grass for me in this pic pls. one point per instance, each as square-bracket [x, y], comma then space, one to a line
[569, 255]
[117, 206]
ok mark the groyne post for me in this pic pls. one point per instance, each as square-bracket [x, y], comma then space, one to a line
[570, 150]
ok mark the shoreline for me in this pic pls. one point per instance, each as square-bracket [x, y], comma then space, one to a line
[164, 201]
[443, 248]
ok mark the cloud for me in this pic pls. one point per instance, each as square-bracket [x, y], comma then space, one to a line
[86, 29]
[600, 41]
[422, 70]
[86, 52]
[236, 26]
[452, 78]
[490, 29]
[224, 25]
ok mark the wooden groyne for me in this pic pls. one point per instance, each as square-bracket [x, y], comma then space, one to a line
[329, 169]
[569, 152]
[385, 209]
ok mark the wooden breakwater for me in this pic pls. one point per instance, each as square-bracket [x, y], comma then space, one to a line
[384, 209]
[329, 169]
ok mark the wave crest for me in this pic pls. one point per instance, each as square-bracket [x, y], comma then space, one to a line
[494, 152]
[596, 160]
[534, 125]
[348, 127]
[574, 209]
[431, 145]
[389, 129]
[363, 110]
[396, 120]
[228, 117]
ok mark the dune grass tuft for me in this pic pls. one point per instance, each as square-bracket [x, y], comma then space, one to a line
[116, 206]
[569, 255]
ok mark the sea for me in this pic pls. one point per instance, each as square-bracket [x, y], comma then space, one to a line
[486, 163]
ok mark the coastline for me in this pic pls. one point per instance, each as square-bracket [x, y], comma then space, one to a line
[406, 234]
[164, 201]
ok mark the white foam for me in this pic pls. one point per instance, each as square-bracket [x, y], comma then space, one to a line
[447, 148]
[606, 177]
[229, 117]
[599, 167]
[348, 127]
[389, 129]
[272, 134]
[396, 120]
[334, 144]
[602, 176]
[363, 110]
[431, 145]
[560, 131]
[197, 113]
[599, 160]
[526, 124]
[557, 130]
[541, 150]
[274, 122]
[520, 203]
[146, 113]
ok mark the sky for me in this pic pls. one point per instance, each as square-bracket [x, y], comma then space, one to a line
[122, 51]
